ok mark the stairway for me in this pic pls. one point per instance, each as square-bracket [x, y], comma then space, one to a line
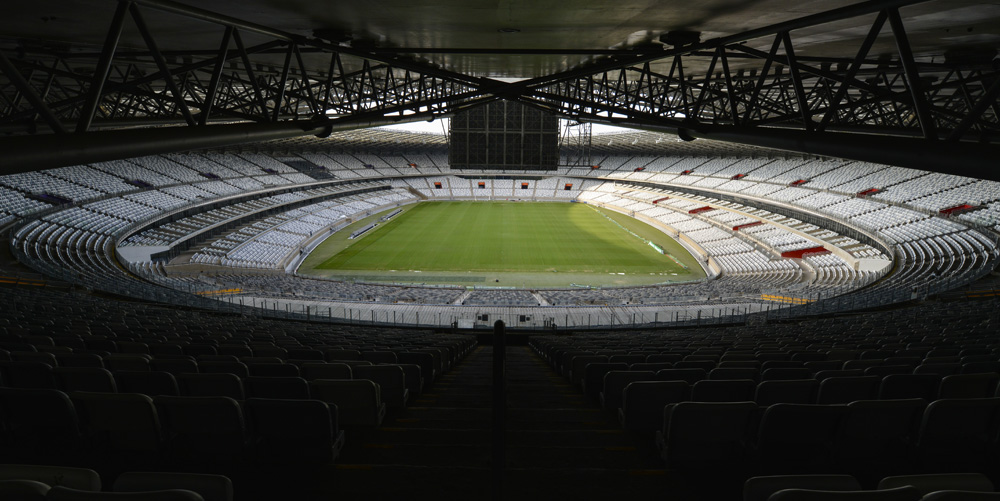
[559, 444]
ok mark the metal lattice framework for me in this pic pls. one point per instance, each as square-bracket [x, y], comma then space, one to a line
[753, 87]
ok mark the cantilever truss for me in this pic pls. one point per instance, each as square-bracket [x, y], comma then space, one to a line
[255, 74]
[756, 87]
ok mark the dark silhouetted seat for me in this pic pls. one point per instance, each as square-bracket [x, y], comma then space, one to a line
[206, 431]
[798, 438]
[643, 403]
[792, 391]
[699, 435]
[294, 431]
[84, 379]
[150, 383]
[211, 385]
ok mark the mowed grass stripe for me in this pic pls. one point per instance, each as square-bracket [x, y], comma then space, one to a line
[501, 237]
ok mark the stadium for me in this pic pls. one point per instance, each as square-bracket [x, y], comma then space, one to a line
[740, 250]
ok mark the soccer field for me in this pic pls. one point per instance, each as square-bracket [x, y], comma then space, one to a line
[505, 243]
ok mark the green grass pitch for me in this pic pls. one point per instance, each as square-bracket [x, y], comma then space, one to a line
[516, 243]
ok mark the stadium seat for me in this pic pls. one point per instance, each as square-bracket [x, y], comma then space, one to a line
[30, 375]
[23, 490]
[792, 391]
[209, 487]
[358, 401]
[982, 385]
[903, 386]
[723, 390]
[643, 403]
[899, 494]
[876, 435]
[74, 478]
[846, 389]
[690, 375]
[204, 431]
[150, 383]
[956, 435]
[210, 385]
[760, 488]
[70, 379]
[931, 482]
[124, 427]
[798, 438]
[234, 367]
[391, 381]
[700, 435]
[615, 383]
[39, 425]
[593, 378]
[325, 370]
[275, 387]
[66, 494]
[294, 431]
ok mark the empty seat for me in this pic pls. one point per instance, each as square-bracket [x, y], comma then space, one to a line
[615, 383]
[79, 360]
[424, 360]
[211, 385]
[650, 366]
[272, 369]
[950, 495]
[207, 431]
[127, 362]
[643, 403]
[39, 425]
[824, 374]
[123, 427]
[359, 402]
[699, 435]
[174, 366]
[75, 478]
[294, 431]
[842, 390]
[150, 383]
[84, 379]
[798, 438]
[939, 368]
[734, 373]
[414, 378]
[875, 437]
[956, 435]
[234, 367]
[66, 494]
[593, 377]
[313, 371]
[785, 373]
[334, 354]
[899, 494]
[792, 391]
[23, 490]
[760, 488]
[209, 487]
[578, 367]
[380, 357]
[723, 390]
[927, 483]
[391, 381]
[24, 374]
[982, 385]
[690, 375]
[903, 386]
[275, 387]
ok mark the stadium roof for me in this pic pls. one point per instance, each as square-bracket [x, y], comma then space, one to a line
[914, 83]
[511, 38]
